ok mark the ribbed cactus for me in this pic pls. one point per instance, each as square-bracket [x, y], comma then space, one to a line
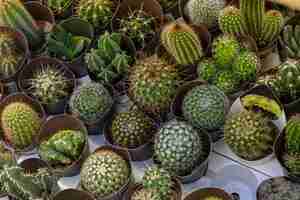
[14, 14]
[230, 21]
[291, 39]
[144, 194]
[245, 66]
[59, 6]
[6, 157]
[227, 82]
[206, 69]
[20, 124]
[182, 42]
[90, 102]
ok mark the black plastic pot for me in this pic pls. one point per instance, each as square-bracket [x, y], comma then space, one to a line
[208, 192]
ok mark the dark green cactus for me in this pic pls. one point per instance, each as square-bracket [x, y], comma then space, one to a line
[227, 82]
[291, 39]
[207, 69]
[59, 6]
[245, 66]
[230, 21]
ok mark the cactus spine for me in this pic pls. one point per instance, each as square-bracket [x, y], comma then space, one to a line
[230, 21]
[59, 6]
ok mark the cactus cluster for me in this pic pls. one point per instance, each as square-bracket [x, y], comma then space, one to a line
[59, 6]
[291, 40]
[182, 42]
[20, 124]
[108, 61]
[104, 173]
[62, 148]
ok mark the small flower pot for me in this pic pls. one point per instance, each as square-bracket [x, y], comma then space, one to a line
[22, 97]
[176, 190]
[63, 122]
[73, 194]
[36, 64]
[208, 192]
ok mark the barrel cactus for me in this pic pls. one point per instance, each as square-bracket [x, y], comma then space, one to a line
[20, 124]
[90, 102]
[291, 39]
[204, 106]
[226, 81]
[104, 173]
[256, 139]
[207, 69]
[230, 21]
[245, 66]
[145, 194]
[182, 42]
[6, 157]
[59, 6]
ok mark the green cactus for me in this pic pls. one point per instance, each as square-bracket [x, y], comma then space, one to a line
[90, 102]
[63, 147]
[14, 14]
[227, 82]
[213, 198]
[104, 173]
[291, 39]
[145, 194]
[153, 84]
[292, 135]
[204, 11]
[49, 84]
[132, 129]
[292, 162]
[59, 6]
[225, 49]
[168, 4]
[97, 12]
[245, 66]
[6, 157]
[230, 21]
[207, 69]
[179, 148]
[20, 124]
[256, 139]
[182, 42]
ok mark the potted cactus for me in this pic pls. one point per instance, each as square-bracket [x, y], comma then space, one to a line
[49, 81]
[74, 193]
[209, 194]
[60, 8]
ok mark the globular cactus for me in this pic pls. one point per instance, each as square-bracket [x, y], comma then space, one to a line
[207, 69]
[245, 66]
[6, 157]
[90, 102]
[230, 21]
[226, 81]
[144, 194]
[204, 11]
[182, 42]
[104, 173]
[49, 84]
[291, 39]
[292, 162]
[14, 14]
[256, 139]
[59, 6]
[20, 124]
[63, 147]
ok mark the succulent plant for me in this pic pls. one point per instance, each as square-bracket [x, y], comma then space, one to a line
[59, 6]
[168, 4]
[245, 66]
[6, 157]
[204, 106]
[204, 11]
[182, 42]
[256, 139]
[291, 39]
[90, 102]
[62, 148]
[20, 124]
[104, 173]
[213, 198]
[132, 129]
[152, 85]
[49, 84]
[145, 194]
[207, 69]
[226, 81]
[292, 162]
[97, 12]
[292, 134]
[179, 148]
[230, 21]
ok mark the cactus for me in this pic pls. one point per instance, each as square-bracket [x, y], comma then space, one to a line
[62, 148]
[152, 85]
[227, 82]
[104, 173]
[49, 84]
[59, 6]
[14, 14]
[98, 12]
[168, 4]
[291, 39]
[292, 162]
[207, 69]
[245, 66]
[213, 198]
[204, 11]
[132, 129]
[256, 139]
[182, 42]
[20, 124]
[6, 157]
[90, 102]
[230, 21]
[144, 194]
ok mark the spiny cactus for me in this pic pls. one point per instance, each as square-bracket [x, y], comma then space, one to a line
[226, 81]
[104, 173]
[182, 42]
[204, 11]
[230, 21]
[292, 162]
[145, 194]
[59, 6]
[49, 84]
[152, 85]
[207, 69]
[90, 102]
[97, 12]
[63, 147]
[6, 157]
[168, 4]
[20, 124]
[256, 139]
[291, 39]
[245, 66]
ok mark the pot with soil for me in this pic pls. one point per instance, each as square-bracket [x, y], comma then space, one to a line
[208, 193]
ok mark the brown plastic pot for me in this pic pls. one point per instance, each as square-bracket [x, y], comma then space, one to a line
[73, 194]
[36, 64]
[63, 122]
[208, 192]
[22, 97]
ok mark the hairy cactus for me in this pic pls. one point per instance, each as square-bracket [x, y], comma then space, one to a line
[291, 39]
[20, 124]
[207, 69]
[59, 6]
[90, 102]
[181, 41]
[256, 139]
[152, 85]
[63, 147]
[104, 173]
[179, 148]
[132, 129]
[230, 21]
[245, 66]
[227, 82]
[49, 84]
[6, 157]
[204, 11]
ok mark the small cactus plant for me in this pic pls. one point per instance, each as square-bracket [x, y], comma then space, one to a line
[227, 82]
[230, 21]
[245, 66]
[59, 6]
[6, 157]
[144, 194]
[207, 70]
[291, 39]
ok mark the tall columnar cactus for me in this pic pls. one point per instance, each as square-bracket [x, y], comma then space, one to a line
[59, 6]
[206, 69]
[182, 42]
[291, 39]
[20, 124]
[250, 135]
[230, 21]
[104, 173]
[14, 14]
[245, 66]
[90, 102]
